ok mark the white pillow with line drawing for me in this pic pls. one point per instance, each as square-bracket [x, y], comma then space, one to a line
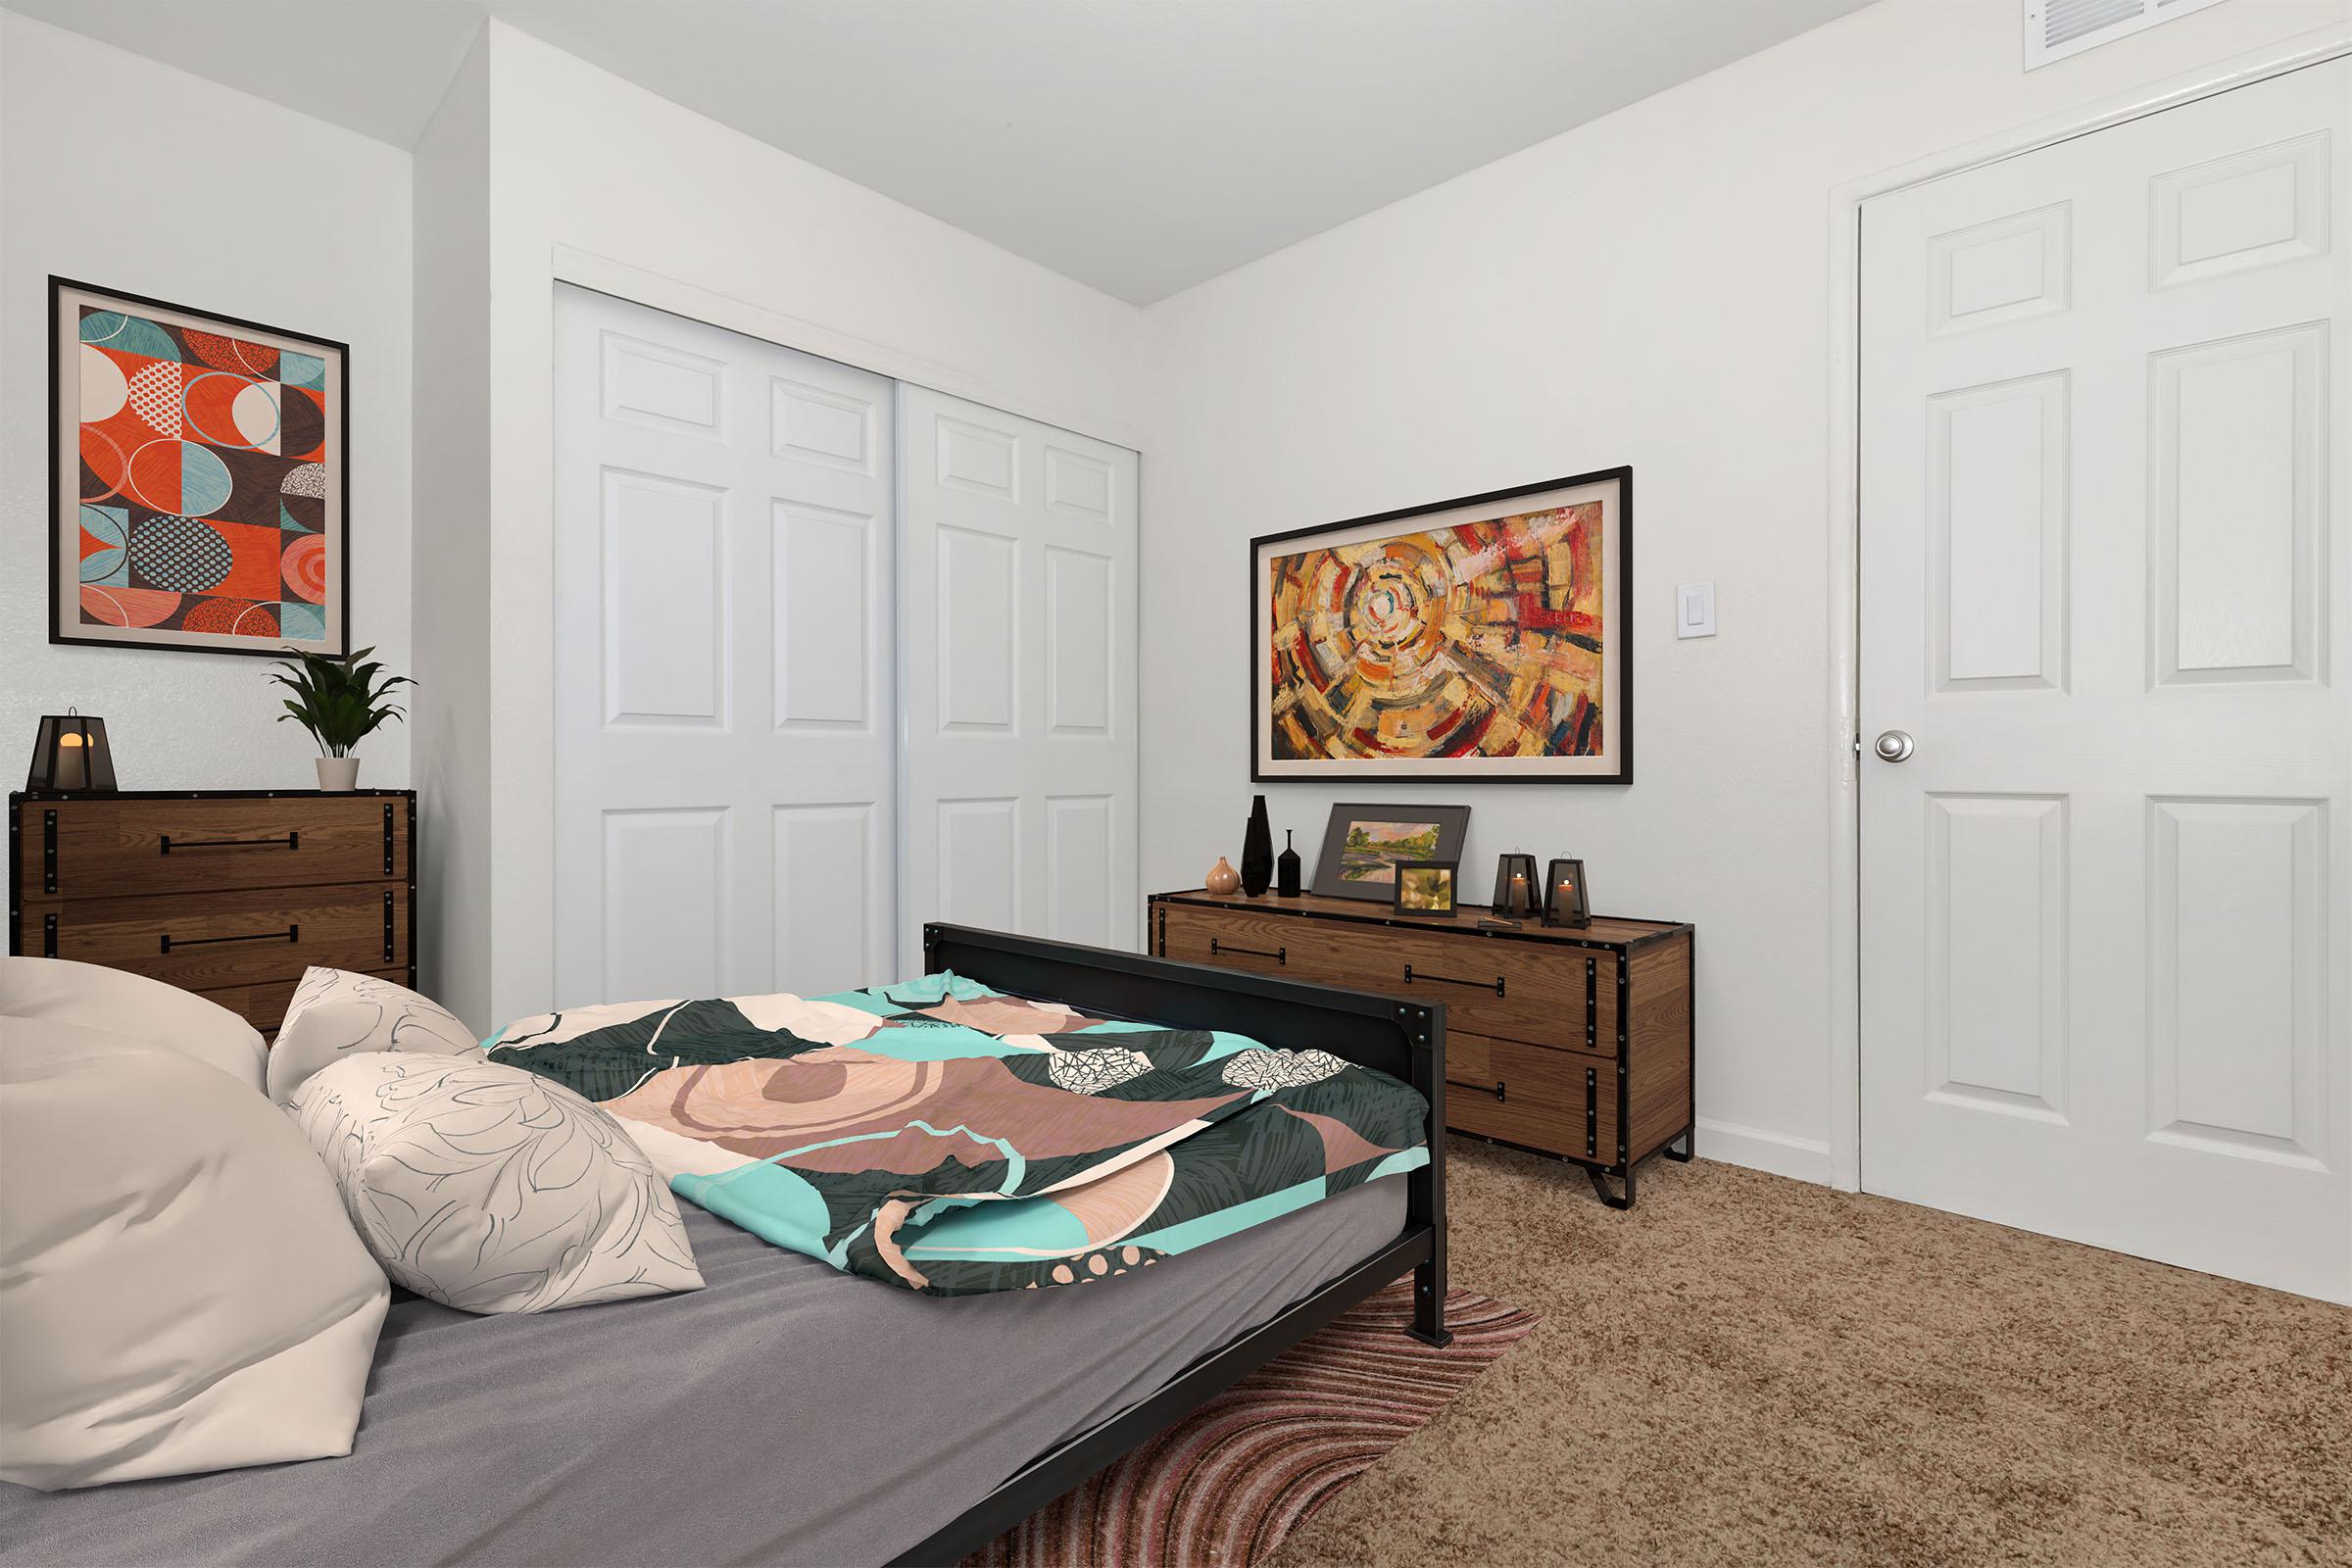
[336, 1014]
[491, 1189]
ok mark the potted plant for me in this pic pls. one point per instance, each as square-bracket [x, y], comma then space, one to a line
[340, 702]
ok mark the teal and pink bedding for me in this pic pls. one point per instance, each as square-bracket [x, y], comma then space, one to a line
[954, 1140]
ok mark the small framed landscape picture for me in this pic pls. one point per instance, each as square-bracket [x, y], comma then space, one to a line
[1362, 844]
[1425, 888]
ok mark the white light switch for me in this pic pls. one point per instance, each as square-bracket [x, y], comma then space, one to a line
[1694, 609]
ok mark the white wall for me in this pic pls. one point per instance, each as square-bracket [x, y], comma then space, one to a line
[596, 180]
[130, 175]
[1652, 288]
[449, 714]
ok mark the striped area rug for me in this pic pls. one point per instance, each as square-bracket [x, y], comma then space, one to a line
[1229, 1483]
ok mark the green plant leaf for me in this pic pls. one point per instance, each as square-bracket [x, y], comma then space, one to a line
[339, 701]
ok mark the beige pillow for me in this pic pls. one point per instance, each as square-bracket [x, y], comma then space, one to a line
[134, 1006]
[492, 1188]
[339, 1012]
[179, 1288]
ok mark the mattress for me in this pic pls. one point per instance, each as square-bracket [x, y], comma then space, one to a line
[784, 1414]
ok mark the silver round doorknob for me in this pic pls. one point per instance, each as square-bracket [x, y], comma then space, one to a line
[1894, 746]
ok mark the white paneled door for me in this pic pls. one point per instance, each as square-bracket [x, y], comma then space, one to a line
[1017, 618]
[725, 810]
[2107, 789]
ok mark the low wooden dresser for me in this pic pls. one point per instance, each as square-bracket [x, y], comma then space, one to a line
[1571, 1041]
[231, 893]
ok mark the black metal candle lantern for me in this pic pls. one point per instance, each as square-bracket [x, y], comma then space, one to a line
[71, 754]
[1517, 892]
[1566, 900]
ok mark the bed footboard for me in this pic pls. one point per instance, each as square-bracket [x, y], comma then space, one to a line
[1404, 1039]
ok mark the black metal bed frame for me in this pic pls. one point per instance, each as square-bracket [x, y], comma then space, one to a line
[1404, 1039]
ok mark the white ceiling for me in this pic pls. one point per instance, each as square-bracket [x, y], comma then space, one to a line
[1141, 146]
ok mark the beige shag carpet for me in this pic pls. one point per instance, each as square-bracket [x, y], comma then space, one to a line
[1750, 1371]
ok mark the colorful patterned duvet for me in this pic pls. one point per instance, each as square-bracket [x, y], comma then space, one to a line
[954, 1140]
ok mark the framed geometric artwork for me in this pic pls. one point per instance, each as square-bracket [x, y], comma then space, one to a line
[1486, 640]
[200, 482]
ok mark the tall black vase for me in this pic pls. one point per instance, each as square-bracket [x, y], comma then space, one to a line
[1258, 852]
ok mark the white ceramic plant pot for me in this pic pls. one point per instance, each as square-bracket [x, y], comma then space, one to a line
[338, 773]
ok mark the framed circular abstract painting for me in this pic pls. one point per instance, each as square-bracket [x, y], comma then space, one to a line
[1484, 639]
[199, 485]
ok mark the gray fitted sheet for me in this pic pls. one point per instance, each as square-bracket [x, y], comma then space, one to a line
[785, 1413]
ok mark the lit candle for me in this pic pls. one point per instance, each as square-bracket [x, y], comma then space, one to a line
[73, 771]
[1518, 893]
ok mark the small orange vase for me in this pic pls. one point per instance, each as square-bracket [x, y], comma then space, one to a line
[1222, 878]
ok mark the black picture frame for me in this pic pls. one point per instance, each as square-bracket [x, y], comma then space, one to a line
[1616, 764]
[1452, 823]
[66, 626]
[1575, 912]
[1450, 870]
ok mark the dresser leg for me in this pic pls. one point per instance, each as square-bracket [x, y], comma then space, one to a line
[1601, 1184]
[1690, 1142]
[1429, 1307]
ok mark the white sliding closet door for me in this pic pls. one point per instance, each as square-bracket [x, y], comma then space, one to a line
[724, 799]
[1019, 631]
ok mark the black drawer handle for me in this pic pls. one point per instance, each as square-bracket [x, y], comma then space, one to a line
[1281, 955]
[1446, 979]
[292, 933]
[1591, 1113]
[1496, 1091]
[292, 841]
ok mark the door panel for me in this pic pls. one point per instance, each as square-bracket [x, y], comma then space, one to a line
[2238, 436]
[1018, 604]
[724, 612]
[2105, 555]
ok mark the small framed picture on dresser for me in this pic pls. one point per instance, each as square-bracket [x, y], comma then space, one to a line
[1363, 845]
[1425, 888]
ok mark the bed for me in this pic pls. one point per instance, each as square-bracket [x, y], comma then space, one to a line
[785, 1414]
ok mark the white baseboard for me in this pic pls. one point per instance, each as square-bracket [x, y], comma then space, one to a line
[1804, 1160]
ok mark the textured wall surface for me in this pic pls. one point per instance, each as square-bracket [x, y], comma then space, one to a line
[119, 171]
[1652, 289]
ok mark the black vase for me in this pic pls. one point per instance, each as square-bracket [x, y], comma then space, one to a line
[1286, 868]
[1258, 852]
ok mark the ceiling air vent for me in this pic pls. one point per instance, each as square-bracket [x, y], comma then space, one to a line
[2056, 28]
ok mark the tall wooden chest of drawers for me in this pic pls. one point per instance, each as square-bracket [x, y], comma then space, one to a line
[1575, 1043]
[231, 893]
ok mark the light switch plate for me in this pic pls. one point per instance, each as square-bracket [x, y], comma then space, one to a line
[1694, 609]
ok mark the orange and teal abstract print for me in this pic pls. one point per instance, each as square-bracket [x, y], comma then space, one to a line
[944, 1137]
[204, 483]
[1484, 639]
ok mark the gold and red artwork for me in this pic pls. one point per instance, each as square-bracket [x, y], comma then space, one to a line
[1488, 640]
